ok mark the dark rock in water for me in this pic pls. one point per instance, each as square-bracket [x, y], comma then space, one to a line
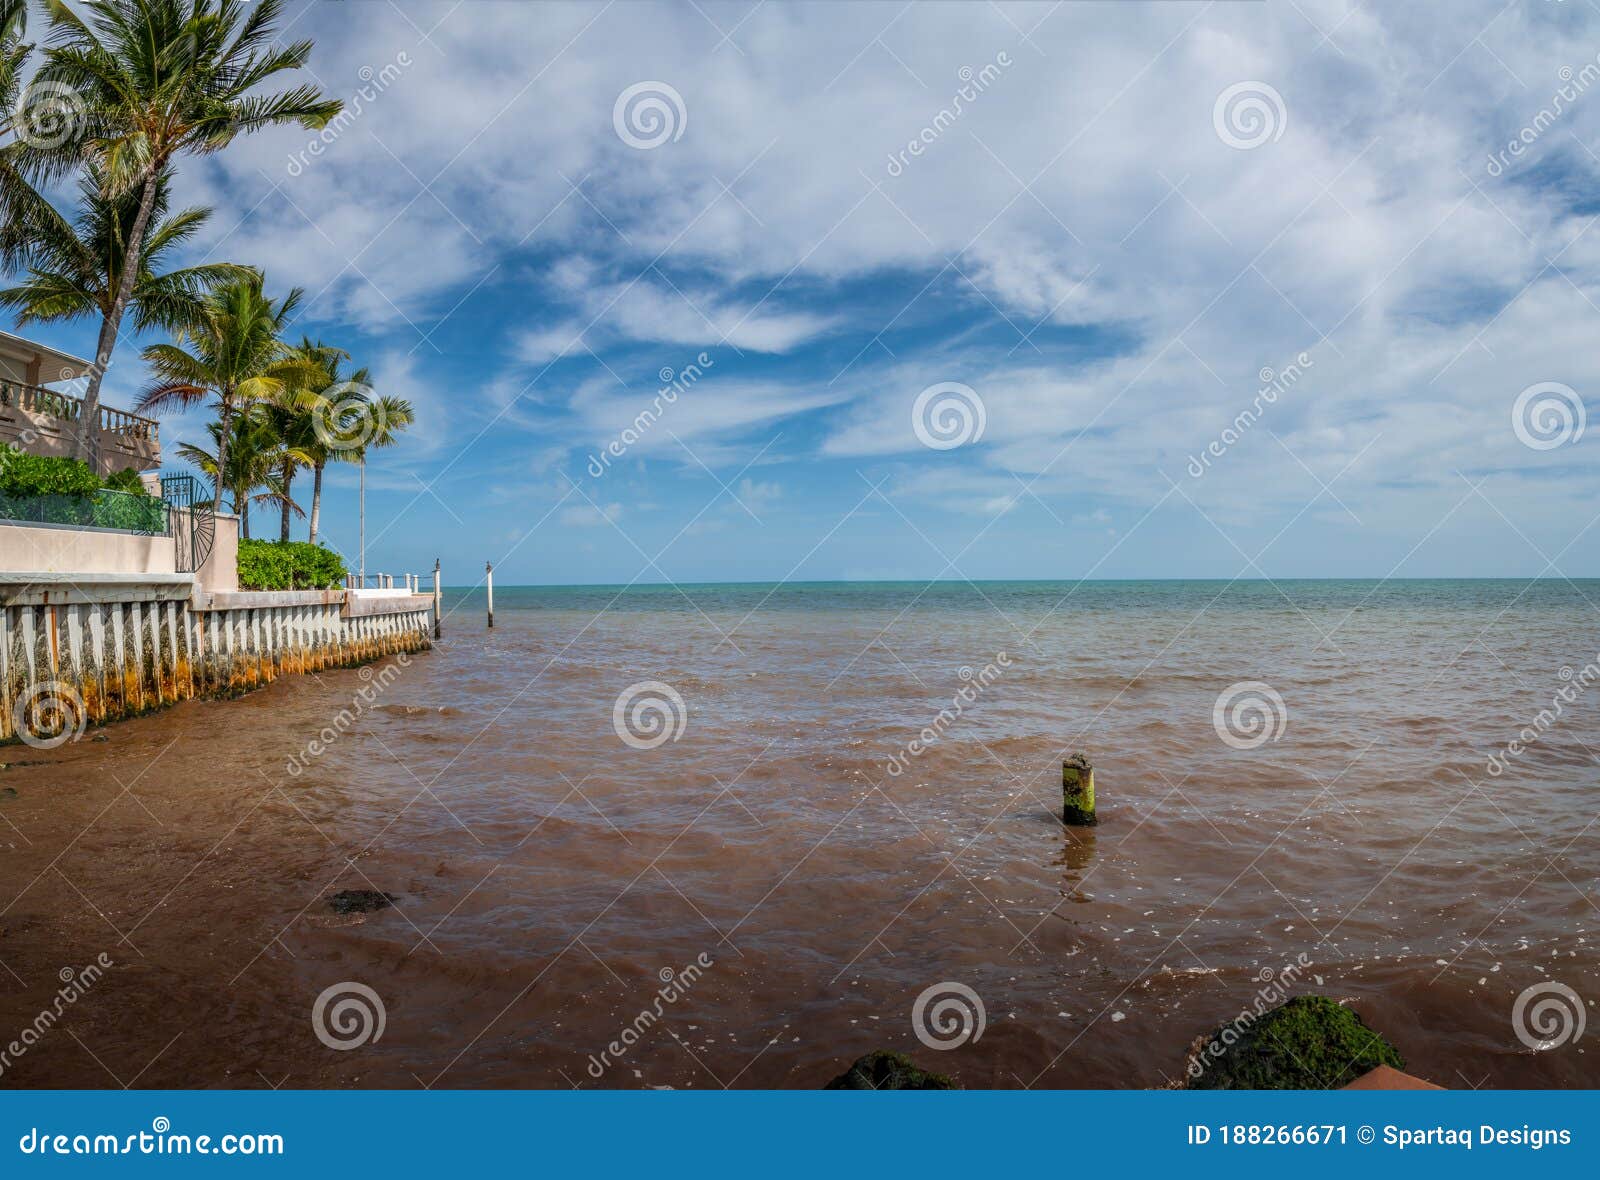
[361, 901]
[8, 792]
[882, 1070]
[1307, 1043]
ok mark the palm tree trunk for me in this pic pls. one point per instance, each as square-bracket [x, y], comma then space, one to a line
[224, 419]
[241, 505]
[316, 499]
[288, 475]
[87, 444]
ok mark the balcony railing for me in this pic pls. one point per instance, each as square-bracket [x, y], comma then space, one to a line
[69, 408]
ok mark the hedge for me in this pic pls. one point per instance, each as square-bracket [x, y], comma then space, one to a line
[126, 480]
[288, 565]
[39, 475]
[65, 491]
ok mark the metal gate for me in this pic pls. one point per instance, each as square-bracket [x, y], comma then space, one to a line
[194, 525]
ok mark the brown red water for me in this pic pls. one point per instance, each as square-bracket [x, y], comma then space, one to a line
[548, 872]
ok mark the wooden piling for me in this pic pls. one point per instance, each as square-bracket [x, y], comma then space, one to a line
[1077, 792]
[437, 599]
[488, 578]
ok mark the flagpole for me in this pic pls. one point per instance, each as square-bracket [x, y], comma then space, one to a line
[363, 520]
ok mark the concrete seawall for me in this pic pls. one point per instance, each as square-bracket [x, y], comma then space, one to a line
[86, 650]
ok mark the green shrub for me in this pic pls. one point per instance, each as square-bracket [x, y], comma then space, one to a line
[39, 475]
[126, 480]
[288, 565]
[134, 511]
[65, 491]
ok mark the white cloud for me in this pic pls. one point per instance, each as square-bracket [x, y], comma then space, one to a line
[1083, 200]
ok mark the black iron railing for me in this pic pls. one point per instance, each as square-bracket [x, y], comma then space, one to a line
[194, 525]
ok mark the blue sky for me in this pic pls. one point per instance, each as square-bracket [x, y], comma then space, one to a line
[1130, 214]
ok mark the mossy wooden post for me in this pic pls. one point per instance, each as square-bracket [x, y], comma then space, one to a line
[436, 598]
[1077, 792]
[488, 577]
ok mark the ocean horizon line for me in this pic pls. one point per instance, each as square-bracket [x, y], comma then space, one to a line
[890, 582]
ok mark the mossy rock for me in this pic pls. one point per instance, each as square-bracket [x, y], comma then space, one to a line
[1307, 1043]
[882, 1070]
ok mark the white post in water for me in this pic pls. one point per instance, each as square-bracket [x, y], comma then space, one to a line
[488, 577]
[436, 598]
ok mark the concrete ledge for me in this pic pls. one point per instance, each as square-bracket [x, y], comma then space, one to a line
[264, 599]
[350, 606]
[361, 606]
[50, 589]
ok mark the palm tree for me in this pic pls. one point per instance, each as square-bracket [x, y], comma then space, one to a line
[252, 459]
[297, 421]
[345, 418]
[389, 417]
[154, 80]
[236, 357]
[370, 423]
[293, 420]
[13, 52]
[15, 116]
[75, 266]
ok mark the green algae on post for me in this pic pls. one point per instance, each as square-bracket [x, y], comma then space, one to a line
[1077, 792]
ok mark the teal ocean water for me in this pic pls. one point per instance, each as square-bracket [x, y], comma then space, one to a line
[1332, 593]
